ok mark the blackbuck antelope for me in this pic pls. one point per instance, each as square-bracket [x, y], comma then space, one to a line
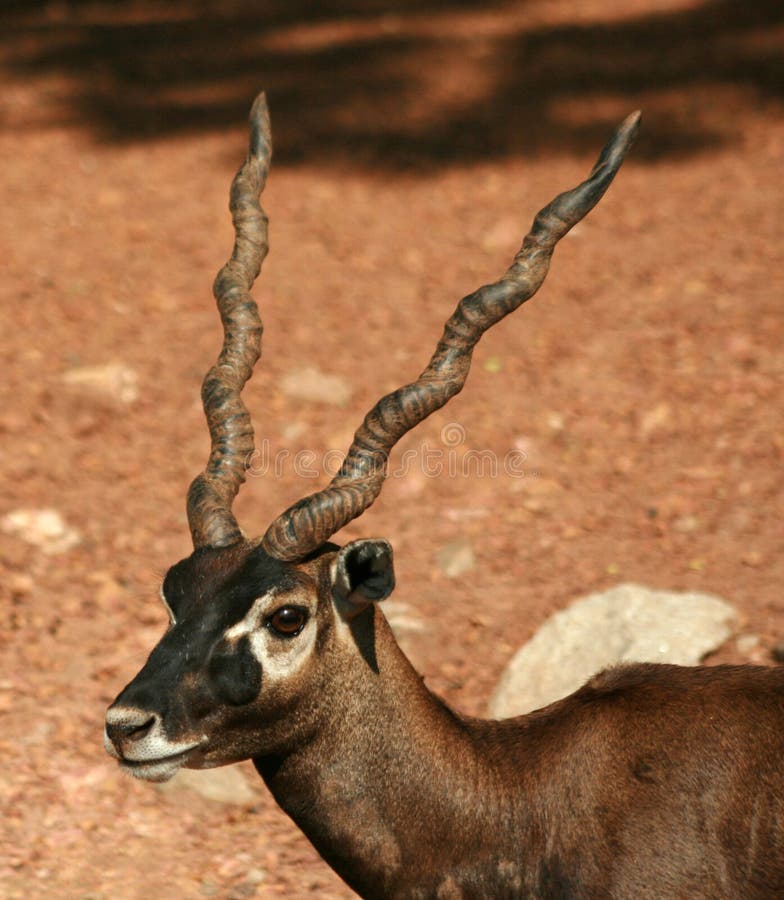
[651, 781]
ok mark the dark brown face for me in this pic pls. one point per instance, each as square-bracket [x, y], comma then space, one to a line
[237, 673]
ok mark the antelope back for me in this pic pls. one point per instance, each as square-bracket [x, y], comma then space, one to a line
[246, 662]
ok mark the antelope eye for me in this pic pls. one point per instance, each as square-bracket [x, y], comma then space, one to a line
[287, 621]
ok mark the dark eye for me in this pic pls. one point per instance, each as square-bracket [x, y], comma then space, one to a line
[287, 621]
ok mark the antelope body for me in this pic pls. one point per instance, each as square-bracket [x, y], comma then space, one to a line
[649, 782]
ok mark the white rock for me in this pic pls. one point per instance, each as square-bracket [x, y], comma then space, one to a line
[655, 419]
[456, 558]
[401, 620]
[44, 528]
[628, 623]
[224, 785]
[113, 381]
[746, 644]
[311, 384]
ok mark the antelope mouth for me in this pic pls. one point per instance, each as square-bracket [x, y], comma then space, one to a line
[158, 769]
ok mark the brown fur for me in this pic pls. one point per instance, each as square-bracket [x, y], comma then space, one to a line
[648, 782]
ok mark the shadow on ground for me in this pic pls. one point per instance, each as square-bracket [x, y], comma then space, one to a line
[431, 83]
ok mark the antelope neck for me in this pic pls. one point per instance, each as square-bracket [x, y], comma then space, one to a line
[392, 789]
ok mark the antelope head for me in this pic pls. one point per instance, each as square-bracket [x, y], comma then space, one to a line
[264, 634]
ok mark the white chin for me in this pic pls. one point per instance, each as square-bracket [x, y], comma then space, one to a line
[152, 771]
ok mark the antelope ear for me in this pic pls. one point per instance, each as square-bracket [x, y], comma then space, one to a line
[362, 574]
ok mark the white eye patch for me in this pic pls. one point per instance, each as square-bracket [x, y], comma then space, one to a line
[254, 617]
[278, 656]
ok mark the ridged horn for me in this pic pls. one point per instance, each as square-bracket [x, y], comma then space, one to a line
[231, 433]
[313, 520]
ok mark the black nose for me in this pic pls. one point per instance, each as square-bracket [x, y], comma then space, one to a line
[124, 726]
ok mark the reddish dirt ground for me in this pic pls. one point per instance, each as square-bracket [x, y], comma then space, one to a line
[643, 383]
